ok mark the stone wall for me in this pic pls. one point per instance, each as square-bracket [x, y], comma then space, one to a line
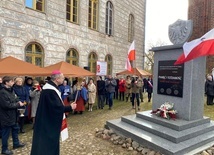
[20, 25]
[202, 14]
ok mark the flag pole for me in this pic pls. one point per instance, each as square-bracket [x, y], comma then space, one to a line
[134, 67]
[133, 64]
[130, 64]
[135, 99]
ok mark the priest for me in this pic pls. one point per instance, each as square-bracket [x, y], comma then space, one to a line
[50, 119]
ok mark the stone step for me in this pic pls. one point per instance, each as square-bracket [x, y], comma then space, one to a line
[165, 132]
[158, 143]
[177, 124]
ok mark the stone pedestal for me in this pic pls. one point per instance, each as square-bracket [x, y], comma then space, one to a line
[190, 132]
[191, 105]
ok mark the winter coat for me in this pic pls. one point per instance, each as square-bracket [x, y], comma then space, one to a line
[209, 88]
[128, 86]
[101, 87]
[122, 87]
[136, 87]
[110, 85]
[65, 91]
[149, 87]
[8, 107]
[23, 95]
[35, 95]
[91, 93]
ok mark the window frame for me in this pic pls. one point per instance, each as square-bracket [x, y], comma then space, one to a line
[109, 70]
[92, 62]
[71, 11]
[34, 55]
[72, 59]
[109, 18]
[91, 15]
[131, 28]
[34, 5]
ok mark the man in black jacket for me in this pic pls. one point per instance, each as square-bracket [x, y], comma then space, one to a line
[8, 115]
[110, 84]
[101, 92]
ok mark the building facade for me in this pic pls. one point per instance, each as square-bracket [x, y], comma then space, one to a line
[81, 32]
[201, 12]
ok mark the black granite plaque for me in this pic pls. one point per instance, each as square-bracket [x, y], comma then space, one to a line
[170, 78]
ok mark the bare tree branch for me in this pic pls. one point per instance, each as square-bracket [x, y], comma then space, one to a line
[149, 55]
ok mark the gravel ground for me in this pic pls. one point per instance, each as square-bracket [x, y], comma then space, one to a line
[82, 140]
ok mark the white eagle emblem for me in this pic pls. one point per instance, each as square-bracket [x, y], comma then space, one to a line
[180, 31]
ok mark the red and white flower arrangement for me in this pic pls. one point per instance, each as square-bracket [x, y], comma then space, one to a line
[166, 110]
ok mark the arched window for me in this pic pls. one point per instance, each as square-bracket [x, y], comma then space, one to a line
[72, 57]
[131, 28]
[35, 4]
[109, 18]
[108, 59]
[92, 62]
[93, 14]
[34, 54]
[72, 9]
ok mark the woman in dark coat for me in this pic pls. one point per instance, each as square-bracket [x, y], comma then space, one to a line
[149, 88]
[209, 90]
[23, 96]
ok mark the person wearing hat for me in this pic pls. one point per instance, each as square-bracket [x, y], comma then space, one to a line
[50, 119]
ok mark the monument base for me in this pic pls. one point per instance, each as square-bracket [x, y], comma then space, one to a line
[170, 137]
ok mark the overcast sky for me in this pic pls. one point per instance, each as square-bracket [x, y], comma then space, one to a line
[159, 15]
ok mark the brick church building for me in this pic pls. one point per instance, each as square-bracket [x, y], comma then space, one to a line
[201, 12]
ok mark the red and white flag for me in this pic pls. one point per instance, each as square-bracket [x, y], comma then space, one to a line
[128, 65]
[130, 56]
[64, 129]
[196, 48]
[131, 52]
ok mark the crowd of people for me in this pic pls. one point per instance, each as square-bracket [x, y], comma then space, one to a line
[109, 88]
[105, 89]
[45, 104]
[20, 97]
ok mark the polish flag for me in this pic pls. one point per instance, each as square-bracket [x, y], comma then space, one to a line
[196, 48]
[128, 65]
[64, 129]
[130, 57]
[131, 52]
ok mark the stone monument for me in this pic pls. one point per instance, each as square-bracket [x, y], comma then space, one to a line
[187, 80]
[182, 85]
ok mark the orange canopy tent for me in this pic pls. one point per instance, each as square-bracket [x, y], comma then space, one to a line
[12, 66]
[135, 71]
[69, 69]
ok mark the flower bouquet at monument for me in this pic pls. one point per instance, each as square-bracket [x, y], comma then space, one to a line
[166, 110]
